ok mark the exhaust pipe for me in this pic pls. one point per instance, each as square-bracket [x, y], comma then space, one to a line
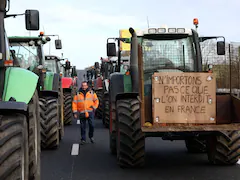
[134, 60]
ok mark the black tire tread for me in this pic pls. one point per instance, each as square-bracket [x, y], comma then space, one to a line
[226, 149]
[49, 122]
[131, 140]
[99, 110]
[13, 147]
[67, 108]
[112, 135]
[34, 134]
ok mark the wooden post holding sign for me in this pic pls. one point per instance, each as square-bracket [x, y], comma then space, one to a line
[180, 97]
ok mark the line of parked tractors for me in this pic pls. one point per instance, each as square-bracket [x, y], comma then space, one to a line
[36, 92]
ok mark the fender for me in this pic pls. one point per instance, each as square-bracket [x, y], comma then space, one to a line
[56, 82]
[127, 95]
[48, 81]
[66, 82]
[19, 84]
[7, 107]
[119, 84]
[67, 90]
[51, 82]
[46, 93]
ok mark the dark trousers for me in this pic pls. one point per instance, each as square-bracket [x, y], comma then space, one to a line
[83, 121]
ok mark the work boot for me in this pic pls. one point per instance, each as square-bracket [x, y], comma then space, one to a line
[83, 142]
[92, 140]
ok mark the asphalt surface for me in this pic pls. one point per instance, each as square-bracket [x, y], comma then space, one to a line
[165, 160]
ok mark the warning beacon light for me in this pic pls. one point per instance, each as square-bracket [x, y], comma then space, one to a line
[41, 33]
[195, 21]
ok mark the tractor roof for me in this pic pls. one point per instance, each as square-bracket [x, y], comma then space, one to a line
[51, 57]
[26, 39]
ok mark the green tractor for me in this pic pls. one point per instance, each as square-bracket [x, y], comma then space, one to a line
[160, 96]
[19, 109]
[29, 53]
[109, 66]
[53, 65]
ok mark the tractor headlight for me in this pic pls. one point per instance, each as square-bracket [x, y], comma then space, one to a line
[39, 42]
[171, 30]
[161, 30]
[40, 66]
[181, 30]
[152, 31]
[31, 43]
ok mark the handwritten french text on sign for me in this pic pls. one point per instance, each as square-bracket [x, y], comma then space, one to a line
[184, 97]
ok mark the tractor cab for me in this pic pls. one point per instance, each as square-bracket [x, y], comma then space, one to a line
[28, 51]
[52, 64]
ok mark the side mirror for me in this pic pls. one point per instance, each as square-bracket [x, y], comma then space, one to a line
[221, 47]
[111, 49]
[32, 20]
[58, 44]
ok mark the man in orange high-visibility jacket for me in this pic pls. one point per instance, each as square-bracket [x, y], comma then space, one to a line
[84, 104]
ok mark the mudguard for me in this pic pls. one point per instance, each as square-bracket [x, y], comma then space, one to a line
[7, 107]
[66, 82]
[67, 90]
[119, 84]
[46, 93]
[51, 81]
[19, 84]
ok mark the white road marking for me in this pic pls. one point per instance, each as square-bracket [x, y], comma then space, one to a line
[238, 161]
[78, 121]
[75, 149]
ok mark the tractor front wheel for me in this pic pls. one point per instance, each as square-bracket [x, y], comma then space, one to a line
[99, 110]
[49, 122]
[67, 98]
[106, 111]
[14, 147]
[112, 134]
[130, 138]
[223, 148]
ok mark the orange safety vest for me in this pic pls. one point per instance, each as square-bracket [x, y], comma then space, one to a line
[82, 104]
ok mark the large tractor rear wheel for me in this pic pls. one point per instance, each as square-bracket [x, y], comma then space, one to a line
[34, 138]
[224, 148]
[49, 122]
[99, 110]
[67, 98]
[112, 135]
[130, 138]
[14, 147]
[196, 145]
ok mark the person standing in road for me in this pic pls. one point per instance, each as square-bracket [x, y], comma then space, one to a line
[83, 106]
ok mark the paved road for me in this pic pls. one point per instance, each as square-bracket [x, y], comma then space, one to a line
[165, 161]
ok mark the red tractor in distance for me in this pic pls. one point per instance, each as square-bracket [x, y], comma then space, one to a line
[69, 85]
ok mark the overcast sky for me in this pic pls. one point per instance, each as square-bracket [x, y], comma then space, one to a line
[84, 26]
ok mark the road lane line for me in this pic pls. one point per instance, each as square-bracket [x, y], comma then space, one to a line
[78, 121]
[75, 149]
